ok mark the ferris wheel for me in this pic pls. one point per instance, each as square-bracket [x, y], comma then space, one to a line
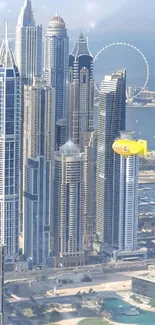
[141, 71]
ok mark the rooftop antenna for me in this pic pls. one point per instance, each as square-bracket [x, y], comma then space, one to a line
[6, 32]
[27, 2]
[81, 34]
[6, 43]
[56, 10]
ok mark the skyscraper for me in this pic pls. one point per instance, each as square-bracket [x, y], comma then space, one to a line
[39, 120]
[2, 312]
[39, 142]
[125, 200]
[29, 61]
[10, 113]
[37, 207]
[81, 91]
[56, 63]
[28, 45]
[89, 148]
[69, 216]
[61, 132]
[111, 120]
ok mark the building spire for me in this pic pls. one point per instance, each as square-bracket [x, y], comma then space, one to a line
[27, 2]
[81, 46]
[81, 34]
[6, 43]
[6, 55]
[26, 16]
[56, 11]
[6, 31]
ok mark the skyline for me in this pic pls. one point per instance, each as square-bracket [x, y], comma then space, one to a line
[90, 15]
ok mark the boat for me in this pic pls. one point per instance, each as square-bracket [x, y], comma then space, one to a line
[132, 312]
[144, 203]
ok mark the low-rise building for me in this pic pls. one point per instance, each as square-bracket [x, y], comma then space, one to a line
[144, 285]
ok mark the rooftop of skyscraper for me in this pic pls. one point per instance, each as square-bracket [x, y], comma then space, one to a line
[56, 27]
[57, 22]
[26, 16]
[69, 149]
[81, 47]
[7, 59]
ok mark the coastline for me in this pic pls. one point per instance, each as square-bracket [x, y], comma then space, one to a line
[141, 106]
[146, 177]
[135, 304]
[110, 289]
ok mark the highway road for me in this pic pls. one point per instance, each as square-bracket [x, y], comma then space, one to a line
[53, 273]
[68, 299]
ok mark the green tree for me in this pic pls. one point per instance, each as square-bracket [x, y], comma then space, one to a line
[86, 278]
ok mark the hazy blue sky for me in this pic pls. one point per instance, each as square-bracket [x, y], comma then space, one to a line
[77, 13]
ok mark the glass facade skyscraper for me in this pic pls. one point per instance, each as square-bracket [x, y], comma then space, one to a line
[89, 148]
[111, 120]
[28, 48]
[10, 118]
[125, 200]
[69, 219]
[39, 120]
[3, 314]
[38, 163]
[28, 45]
[80, 91]
[37, 186]
[56, 64]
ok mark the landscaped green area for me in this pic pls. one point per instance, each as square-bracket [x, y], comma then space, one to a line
[93, 321]
[28, 312]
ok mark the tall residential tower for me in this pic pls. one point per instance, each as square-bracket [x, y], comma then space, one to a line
[28, 45]
[125, 200]
[69, 219]
[39, 120]
[56, 64]
[29, 61]
[81, 91]
[3, 314]
[39, 135]
[111, 120]
[10, 118]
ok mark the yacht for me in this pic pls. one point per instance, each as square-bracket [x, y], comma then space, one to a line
[132, 312]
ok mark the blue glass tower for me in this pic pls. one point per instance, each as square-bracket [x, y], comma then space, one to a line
[37, 210]
[111, 120]
[80, 91]
[10, 116]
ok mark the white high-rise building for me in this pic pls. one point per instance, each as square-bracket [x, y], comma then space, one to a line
[125, 200]
[3, 314]
[56, 63]
[28, 45]
[69, 218]
[10, 118]
[28, 49]
[111, 120]
[38, 163]
[88, 142]
[39, 120]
